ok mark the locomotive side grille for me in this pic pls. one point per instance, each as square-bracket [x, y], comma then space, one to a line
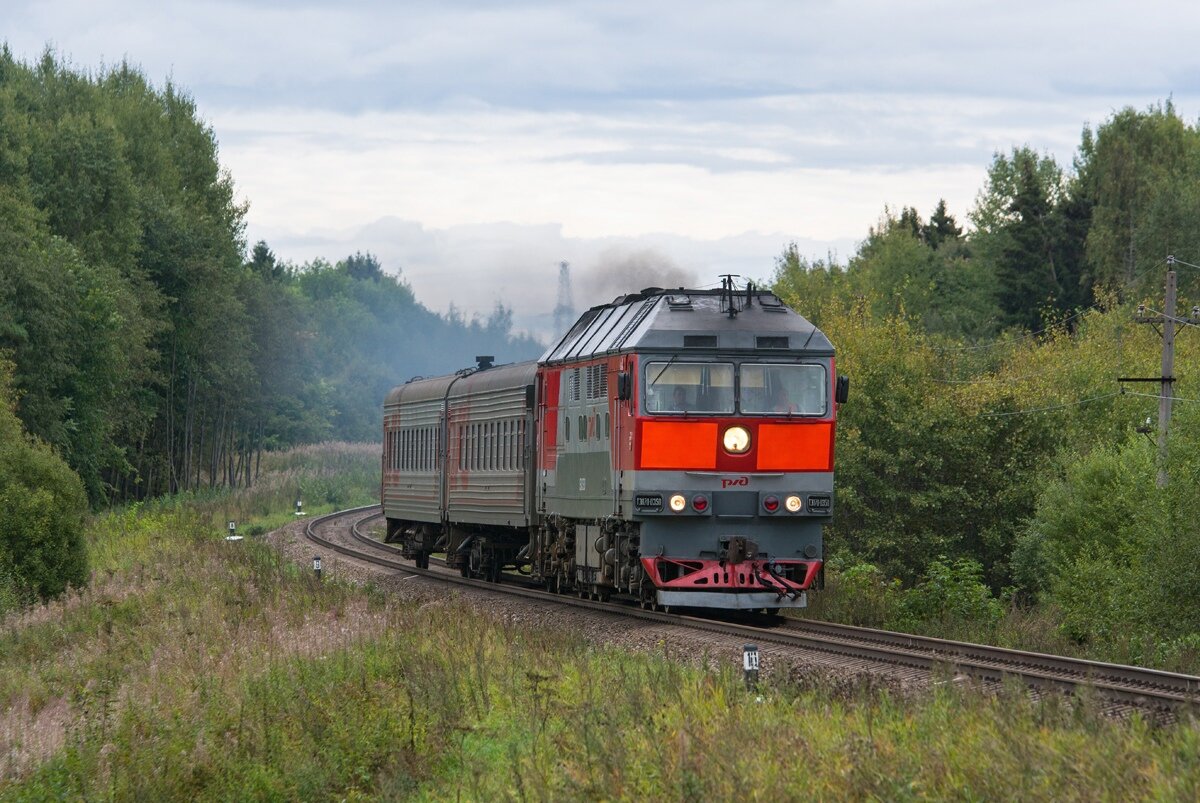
[597, 382]
[574, 387]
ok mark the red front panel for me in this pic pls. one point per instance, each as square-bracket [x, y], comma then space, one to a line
[696, 445]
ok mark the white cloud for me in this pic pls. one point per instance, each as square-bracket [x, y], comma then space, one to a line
[697, 135]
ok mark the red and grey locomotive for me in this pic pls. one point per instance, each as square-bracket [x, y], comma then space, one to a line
[675, 447]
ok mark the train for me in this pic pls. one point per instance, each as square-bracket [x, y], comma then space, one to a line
[674, 448]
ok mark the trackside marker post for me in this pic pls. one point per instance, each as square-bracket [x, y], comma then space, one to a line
[750, 665]
[317, 566]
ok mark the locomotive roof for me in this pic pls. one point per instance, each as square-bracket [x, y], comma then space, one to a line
[678, 320]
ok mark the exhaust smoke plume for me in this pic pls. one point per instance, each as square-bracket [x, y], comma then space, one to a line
[623, 270]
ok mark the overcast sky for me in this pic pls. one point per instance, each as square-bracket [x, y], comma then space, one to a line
[474, 145]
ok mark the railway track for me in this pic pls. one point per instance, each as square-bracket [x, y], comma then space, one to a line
[1125, 686]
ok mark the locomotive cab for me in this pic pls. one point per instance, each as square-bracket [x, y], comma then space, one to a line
[734, 478]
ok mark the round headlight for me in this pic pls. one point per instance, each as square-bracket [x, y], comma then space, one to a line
[677, 502]
[737, 440]
[771, 504]
[793, 504]
[699, 503]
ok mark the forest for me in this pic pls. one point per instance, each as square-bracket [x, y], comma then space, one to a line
[145, 349]
[995, 480]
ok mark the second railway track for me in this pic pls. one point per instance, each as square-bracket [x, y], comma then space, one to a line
[1118, 684]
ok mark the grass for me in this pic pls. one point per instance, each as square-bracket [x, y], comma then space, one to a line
[193, 668]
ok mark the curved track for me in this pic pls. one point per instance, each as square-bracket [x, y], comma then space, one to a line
[1123, 685]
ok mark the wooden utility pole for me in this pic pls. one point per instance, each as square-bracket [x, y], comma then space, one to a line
[1166, 382]
[1168, 373]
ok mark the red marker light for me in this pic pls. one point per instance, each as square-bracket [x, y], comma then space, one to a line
[699, 503]
[771, 504]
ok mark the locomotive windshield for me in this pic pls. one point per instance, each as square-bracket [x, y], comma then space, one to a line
[687, 387]
[708, 388]
[783, 389]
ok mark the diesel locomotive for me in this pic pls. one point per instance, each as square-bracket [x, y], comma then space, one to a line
[674, 447]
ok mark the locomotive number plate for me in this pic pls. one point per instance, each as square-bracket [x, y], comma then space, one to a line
[820, 504]
[652, 502]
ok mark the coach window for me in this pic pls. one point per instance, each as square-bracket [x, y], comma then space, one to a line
[506, 452]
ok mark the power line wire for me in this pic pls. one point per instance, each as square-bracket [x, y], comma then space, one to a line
[1026, 336]
[1156, 396]
[1180, 321]
[1051, 407]
[1178, 261]
[992, 380]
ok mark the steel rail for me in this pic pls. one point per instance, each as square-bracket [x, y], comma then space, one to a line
[1146, 688]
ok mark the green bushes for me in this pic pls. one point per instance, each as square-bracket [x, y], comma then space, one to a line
[42, 504]
[951, 595]
[950, 600]
[1119, 557]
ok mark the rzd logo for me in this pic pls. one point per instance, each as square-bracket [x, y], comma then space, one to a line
[730, 482]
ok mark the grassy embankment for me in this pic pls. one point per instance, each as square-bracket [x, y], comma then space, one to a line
[195, 668]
